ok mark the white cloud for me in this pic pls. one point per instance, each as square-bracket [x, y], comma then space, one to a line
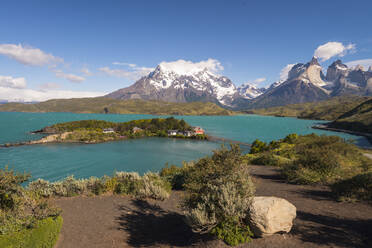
[125, 64]
[71, 77]
[183, 67]
[259, 80]
[284, 72]
[366, 63]
[86, 71]
[28, 55]
[11, 82]
[30, 95]
[50, 86]
[331, 49]
[255, 82]
[132, 73]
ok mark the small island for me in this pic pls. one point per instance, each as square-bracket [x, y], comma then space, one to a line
[98, 131]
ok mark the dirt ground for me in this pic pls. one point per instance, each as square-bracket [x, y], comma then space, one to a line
[117, 221]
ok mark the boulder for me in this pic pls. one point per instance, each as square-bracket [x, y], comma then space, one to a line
[269, 215]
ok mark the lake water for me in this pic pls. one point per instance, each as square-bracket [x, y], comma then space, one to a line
[56, 161]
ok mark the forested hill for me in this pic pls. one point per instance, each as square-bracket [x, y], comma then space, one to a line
[108, 105]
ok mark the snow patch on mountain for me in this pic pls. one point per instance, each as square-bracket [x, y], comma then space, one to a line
[249, 91]
[189, 68]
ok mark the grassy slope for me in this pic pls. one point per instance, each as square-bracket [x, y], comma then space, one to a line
[45, 235]
[358, 119]
[98, 105]
[324, 110]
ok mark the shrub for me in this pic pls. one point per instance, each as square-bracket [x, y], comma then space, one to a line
[258, 146]
[218, 189]
[11, 191]
[20, 209]
[268, 158]
[110, 183]
[73, 187]
[319, 166]
[232, 232]
[291, 138]
[175, 175]
[95, 185]
[153, 186]
[41, 187]
[127, 183]
[358, 187]
[43, 235]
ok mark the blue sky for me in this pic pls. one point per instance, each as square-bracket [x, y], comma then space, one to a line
[72, 45]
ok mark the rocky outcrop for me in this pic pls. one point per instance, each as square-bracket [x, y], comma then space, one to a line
[51, 138]
[269, 215]
[305, 83]
[335, 70]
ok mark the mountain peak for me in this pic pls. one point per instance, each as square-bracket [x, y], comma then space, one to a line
[249, 91]
[359, 68]
[314, 61]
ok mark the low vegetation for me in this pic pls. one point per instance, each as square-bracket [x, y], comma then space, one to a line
[107, 105]
[218, 190]
[26, 219]
[150, 185]
[43, 235]
[329, 109]
[313, 159]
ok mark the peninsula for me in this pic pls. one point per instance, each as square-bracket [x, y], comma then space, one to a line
[98, 131]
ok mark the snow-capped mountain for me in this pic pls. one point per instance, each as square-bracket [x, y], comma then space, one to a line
[249, 91]
[347, 81]
[175, 85]
[307, 83]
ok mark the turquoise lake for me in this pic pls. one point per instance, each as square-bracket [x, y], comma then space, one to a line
[56, 161]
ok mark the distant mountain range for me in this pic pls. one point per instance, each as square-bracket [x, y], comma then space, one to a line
[305, 83]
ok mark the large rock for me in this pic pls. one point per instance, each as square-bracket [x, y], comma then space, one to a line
[269, 215]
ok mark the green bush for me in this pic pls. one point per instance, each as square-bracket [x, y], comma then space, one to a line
[291, 138]
[258, 146]
[233, 232]
[153, 186]
[127, 183]
[358, 187]
[218, 188]
[268, 158]
[314, 166]
[175, 175]
[11, 190]
[20, 208]
[43, 235]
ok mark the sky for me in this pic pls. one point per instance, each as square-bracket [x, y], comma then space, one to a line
[62, 49]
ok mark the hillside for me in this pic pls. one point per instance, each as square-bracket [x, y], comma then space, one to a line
[108, 105]
[329, 109]
[359, 119]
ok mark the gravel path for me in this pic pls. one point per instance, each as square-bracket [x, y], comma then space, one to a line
[114, 221]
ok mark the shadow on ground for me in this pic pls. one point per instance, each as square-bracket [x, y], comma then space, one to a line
[333, 231]
[150, 225]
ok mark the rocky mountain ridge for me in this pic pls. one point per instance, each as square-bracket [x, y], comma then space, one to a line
[305, 83]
